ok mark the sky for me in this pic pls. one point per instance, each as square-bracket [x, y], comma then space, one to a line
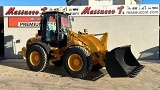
[33, 2]
[51, 2]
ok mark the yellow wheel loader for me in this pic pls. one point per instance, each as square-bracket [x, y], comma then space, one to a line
[79, 53]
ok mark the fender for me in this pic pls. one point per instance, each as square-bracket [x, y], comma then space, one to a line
[43, 45]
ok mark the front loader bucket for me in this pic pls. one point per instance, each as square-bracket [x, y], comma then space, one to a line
[120, 62]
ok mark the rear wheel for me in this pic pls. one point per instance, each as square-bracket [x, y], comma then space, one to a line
[77, 61]
[36, 58]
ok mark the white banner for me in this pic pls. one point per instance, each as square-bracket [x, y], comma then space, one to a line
[35, 10]
[28, 24]
[119, 10]
[142, 10]
[101, 10]
[152, 9]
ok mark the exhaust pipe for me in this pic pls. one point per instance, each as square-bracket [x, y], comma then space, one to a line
[120, 62]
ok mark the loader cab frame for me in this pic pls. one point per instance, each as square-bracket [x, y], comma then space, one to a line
[53, 28]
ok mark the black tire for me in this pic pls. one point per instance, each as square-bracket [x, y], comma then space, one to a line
[86, 59]
[97, 67]
[58, 63]
[43, 58]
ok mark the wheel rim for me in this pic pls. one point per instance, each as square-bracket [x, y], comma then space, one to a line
[35, 58]
[75, 62]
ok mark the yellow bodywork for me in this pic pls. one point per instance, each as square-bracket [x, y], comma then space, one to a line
[96, 47]
[29, 42]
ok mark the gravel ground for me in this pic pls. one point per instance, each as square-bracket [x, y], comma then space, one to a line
[14, 75]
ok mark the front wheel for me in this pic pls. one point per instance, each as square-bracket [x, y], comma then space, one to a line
[77, 61]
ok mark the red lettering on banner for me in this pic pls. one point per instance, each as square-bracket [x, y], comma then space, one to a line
[120, 9]
[12, 11]
[88, 10]
[44, 9]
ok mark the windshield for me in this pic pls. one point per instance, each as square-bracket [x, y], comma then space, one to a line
[64, 21]
[50, 27]
[56, 29]
[51, 24]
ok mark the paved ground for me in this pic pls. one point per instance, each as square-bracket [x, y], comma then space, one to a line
[14, 75]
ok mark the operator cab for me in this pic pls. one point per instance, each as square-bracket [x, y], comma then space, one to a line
[53, 28]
